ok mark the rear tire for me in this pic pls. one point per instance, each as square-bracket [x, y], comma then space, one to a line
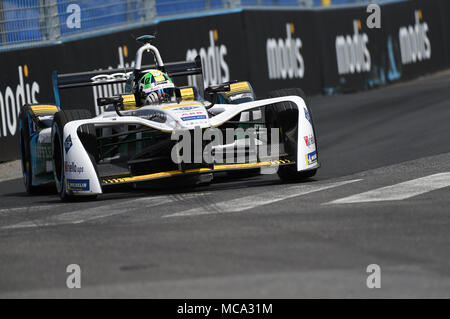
[88, 137]
[24, 142]
[284, 116]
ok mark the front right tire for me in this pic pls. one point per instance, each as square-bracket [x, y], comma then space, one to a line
[284, 116]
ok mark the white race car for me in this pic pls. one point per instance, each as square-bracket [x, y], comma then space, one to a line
[183, 140]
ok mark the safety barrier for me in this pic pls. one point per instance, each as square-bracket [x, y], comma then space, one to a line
[444, 6]
[35, 21]
[326, 50]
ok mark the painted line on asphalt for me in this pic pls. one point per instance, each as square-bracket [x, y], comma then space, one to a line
[85, 215]
[250, 202]
[399, 191]
[28, 209]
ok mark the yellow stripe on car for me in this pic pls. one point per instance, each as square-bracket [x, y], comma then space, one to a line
[149, 177]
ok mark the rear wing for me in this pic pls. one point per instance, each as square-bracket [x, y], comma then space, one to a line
[113, 80]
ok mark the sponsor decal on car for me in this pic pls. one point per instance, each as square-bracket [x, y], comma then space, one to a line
[187, 94]
[68, 143]
[129, 101]
[309, 140]
[307, 116]
[311, 158]
[191, 113]
[73, 168]
[78, 185]
[188, 106]
[193, 118]
[185, 109]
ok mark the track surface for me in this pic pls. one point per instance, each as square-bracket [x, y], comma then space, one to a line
[299, 240]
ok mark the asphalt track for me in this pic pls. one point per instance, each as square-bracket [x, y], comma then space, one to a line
[381, 198]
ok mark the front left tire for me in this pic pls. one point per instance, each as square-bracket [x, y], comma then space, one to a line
[88, 137]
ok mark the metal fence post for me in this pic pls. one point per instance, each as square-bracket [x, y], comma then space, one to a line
[306, 3]
[148, 12]
[49, 19]
[129, 10]
[2, 24]
[232, 4]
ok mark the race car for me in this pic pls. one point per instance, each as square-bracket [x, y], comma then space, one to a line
[151, 131]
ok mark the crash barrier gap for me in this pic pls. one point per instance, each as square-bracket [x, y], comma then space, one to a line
[328, 50]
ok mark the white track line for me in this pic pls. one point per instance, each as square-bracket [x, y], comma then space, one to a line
[249, 202]
[85, 215]
[399, 191]
[29, 209]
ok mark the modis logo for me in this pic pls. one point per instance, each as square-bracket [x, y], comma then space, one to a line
[215, 68]
[352, 53]
[11, 99]
[284, 58]
[415, 45]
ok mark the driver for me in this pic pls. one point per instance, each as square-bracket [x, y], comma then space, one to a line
[156, 87]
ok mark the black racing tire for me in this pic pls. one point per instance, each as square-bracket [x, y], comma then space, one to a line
[284, 115]
[87, 136]
[25, 152]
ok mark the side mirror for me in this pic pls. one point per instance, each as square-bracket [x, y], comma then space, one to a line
[117, 101]
[213, 90]
[217, 89]
[104, 101]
